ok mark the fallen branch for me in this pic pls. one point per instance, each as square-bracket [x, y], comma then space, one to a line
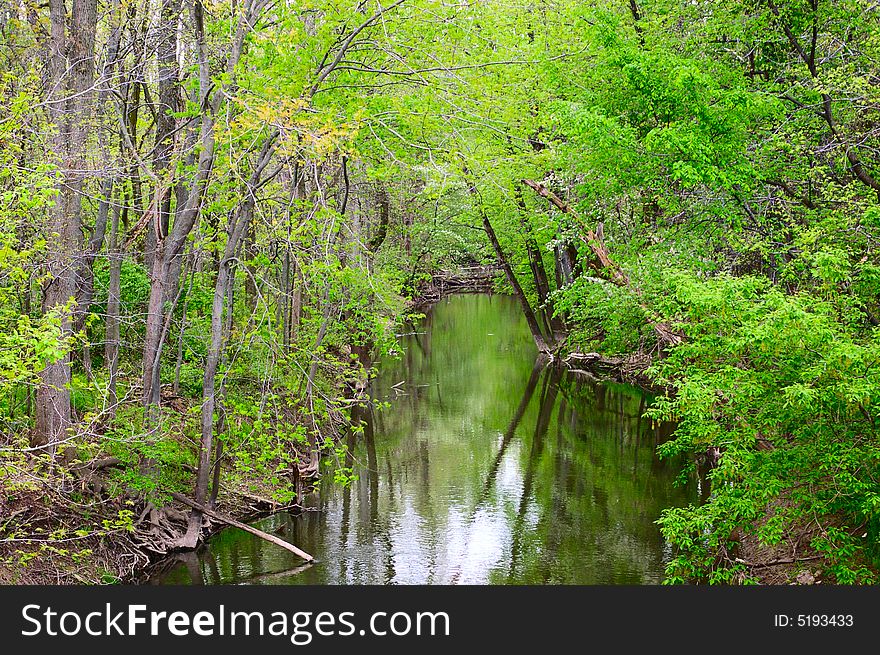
[775, 562]
[616, 274]
[242, 526]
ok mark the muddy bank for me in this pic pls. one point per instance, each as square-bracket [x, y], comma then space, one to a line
[76, 533]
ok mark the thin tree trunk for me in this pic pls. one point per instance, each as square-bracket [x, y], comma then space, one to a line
[518, 292]
[86, 277]
[208, 403]
[284, 300]
[111, 348]
[26, 310]
[296, 301]
[221, 422]
[239, 223]
[384, 204]
[539, 274]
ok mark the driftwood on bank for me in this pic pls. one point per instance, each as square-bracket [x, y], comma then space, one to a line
[607, 265]
[242, 526]
[468, 278]
[628, 368]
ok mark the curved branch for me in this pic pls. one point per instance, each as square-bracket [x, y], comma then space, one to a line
[329, 68]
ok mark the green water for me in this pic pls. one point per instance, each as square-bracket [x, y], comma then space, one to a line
[485, 469]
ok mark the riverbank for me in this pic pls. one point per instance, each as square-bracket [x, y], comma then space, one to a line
[88, 530]
[791, 560]
[741, 533]
[477, 463]
[84, 526]
[87, 522]
[96, 541]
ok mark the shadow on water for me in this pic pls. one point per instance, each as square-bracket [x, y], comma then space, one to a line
[487, 467]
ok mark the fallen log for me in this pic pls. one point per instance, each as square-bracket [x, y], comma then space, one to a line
[242, 526]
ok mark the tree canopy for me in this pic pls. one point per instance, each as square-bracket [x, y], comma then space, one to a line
[211, 213]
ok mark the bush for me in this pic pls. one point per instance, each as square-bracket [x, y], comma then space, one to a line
[791, 396]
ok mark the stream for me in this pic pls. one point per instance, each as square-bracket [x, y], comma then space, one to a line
[483, 468]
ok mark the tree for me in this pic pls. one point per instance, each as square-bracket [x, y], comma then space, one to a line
[70, 49]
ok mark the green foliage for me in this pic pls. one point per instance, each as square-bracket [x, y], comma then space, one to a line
[725, 149]
[738, 215]
[604, 317]
[168, 457]
[134, 286]
[790, 394]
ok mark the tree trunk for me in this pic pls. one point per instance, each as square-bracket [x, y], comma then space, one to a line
[167, 262]
[221, 422]
[111, 348]
[284, 301]
[168, 102]
[539, 274]
[208, 403]
[535, 329]
[239, 223]
[296, 302]
[86, 277]
[71, 70]
[384, 205]
[518, 292]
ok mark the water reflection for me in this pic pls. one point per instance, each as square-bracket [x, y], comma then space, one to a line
[487, 468]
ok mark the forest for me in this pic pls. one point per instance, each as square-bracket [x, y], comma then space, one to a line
[215, 215]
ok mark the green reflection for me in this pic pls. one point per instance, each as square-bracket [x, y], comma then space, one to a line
[488, 468]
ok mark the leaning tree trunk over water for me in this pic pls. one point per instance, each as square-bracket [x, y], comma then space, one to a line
[607, 266]
[529, 314]
[540, 341]
[536, 264]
